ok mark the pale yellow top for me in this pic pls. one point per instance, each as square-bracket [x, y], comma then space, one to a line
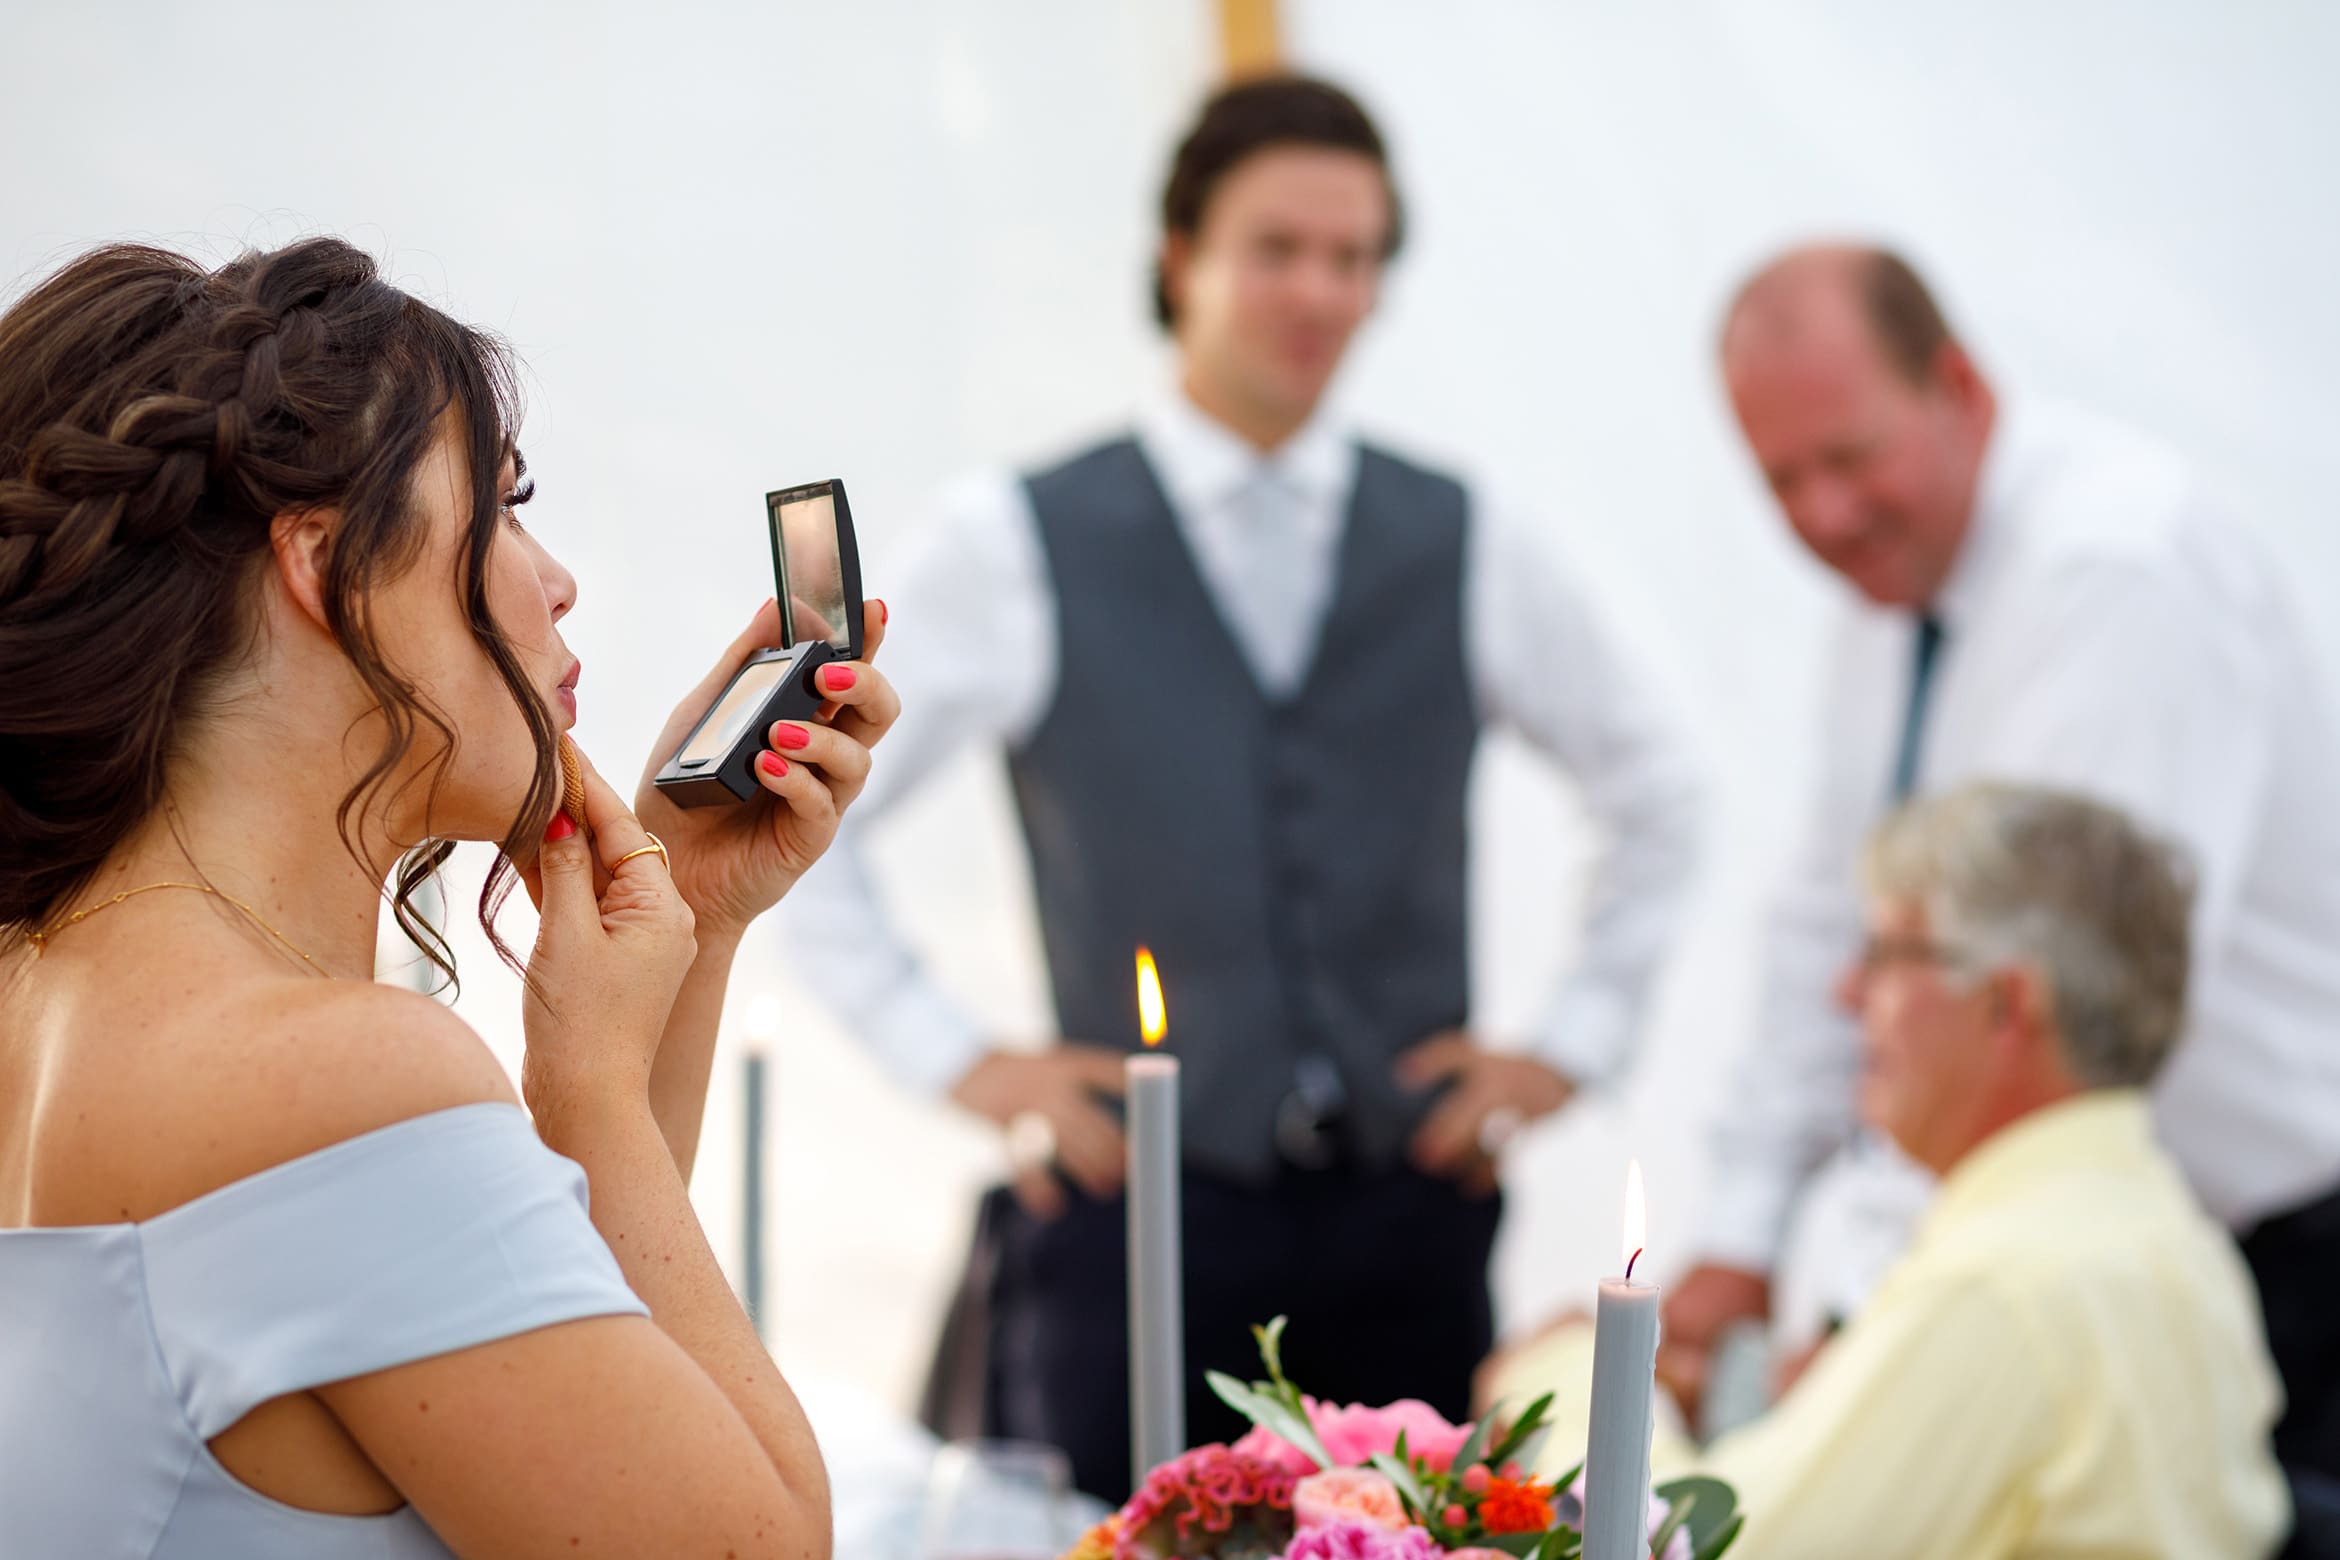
[2068, 1361]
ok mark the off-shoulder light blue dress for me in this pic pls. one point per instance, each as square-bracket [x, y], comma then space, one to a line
[125, 1347]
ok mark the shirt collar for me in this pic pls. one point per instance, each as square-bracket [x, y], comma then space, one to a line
[2006, 466]
[1203, 463]
[2102, 1129]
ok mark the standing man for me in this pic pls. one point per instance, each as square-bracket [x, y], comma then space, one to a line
[1239, 662]
[2046, 598]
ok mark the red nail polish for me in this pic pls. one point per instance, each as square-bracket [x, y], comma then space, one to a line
[788, 734]
[837, 678]
[559, 829]
[772, 764]
[885, 613]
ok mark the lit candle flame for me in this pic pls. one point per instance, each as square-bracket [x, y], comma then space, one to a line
[1636, 1217]
[1151, 1017]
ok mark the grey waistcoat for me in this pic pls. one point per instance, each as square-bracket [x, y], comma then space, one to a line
[1297, 867]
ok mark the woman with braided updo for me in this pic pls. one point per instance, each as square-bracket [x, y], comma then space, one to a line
[284, 1268]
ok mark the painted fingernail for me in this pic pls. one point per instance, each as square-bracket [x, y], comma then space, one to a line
[772, 764]
[788, 734]
[885, 614]
[559, 829]
[837, 678]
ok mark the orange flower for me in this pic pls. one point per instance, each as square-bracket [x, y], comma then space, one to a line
[1516, 1506]
[1097, 1543]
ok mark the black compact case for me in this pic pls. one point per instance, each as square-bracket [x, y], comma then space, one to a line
[816, 570]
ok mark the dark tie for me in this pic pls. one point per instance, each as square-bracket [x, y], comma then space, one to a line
[1927, 652]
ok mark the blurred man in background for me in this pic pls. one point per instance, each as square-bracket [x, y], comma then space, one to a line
[2067, 1359]
[1239, 662]
[2041, 596]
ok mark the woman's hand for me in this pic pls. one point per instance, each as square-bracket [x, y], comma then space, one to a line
[613, 942]
[731, 864]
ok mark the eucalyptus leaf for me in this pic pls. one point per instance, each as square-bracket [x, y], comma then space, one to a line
[1270, 1413]
[1561, 1544]
[1475, 1443]
[1675, 1518]
[1526, 1425]
[1716, 1502]
[1713, 1547]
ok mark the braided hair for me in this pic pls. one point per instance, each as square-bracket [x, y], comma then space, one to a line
[155, 419]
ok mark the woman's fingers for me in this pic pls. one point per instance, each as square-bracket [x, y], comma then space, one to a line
[566, 904]
[862, 702]
[837, 756]
[800, 786]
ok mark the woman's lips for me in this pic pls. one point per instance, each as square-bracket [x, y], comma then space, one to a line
[567, 691]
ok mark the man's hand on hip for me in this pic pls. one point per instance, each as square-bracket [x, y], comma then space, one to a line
[1049, 1102]
[1491, 1095]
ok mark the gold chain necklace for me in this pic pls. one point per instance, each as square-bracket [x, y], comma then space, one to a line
[40, 940]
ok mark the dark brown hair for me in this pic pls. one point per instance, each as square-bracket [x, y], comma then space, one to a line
[155, 418]
[1901, 311]
[1249, 117]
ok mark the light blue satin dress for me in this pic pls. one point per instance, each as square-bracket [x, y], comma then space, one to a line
[124, 1348]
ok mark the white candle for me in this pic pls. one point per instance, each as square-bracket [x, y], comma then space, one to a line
[1616, 1458]
[763, 1028]
[1157, 1308]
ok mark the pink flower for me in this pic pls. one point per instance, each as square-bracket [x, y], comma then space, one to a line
[1356, 1495]
[1264, 1445]
[1476, 1554]
[1356, 1541]
[1210, 1490]
[1354, 1435]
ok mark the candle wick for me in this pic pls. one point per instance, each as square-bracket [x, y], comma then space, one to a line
[1629, 1261]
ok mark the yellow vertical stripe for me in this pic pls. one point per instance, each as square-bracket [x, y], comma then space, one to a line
[1248, 40]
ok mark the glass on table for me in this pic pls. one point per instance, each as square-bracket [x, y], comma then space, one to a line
[998, 1500]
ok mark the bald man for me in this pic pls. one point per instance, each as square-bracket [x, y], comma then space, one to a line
[2043, 597]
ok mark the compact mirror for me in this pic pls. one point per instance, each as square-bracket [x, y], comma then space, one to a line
[816, 572]
[816, 567]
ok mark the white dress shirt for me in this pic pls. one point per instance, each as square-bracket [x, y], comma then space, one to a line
[2108, 630]
[972, 646]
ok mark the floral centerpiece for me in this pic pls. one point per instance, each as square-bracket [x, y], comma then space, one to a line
[1316, 1481]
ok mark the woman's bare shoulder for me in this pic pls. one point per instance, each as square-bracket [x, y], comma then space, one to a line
[265, 1074]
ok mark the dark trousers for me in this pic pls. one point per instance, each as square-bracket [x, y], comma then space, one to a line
[2296, 1259]
[1383, 1274]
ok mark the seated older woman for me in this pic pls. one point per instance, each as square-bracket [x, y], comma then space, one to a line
[2068, 1360]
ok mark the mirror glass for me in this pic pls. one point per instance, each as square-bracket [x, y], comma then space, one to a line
[812, 567]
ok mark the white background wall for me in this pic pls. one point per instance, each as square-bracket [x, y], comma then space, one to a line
[743, 245]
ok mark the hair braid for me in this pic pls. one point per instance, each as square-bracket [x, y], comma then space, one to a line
[155, 419]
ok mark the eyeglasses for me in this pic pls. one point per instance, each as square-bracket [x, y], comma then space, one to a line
[1879, 952]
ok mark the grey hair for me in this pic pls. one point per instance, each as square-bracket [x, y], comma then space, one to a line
[2013, 875]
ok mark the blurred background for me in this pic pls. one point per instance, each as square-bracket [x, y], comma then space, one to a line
[743, 246]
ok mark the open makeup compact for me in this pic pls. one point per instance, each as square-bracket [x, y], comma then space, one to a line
[816, 575]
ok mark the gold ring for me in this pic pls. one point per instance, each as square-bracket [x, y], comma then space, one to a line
[656, 844]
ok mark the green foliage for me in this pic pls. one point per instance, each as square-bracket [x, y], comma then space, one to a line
[1711, 1519]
